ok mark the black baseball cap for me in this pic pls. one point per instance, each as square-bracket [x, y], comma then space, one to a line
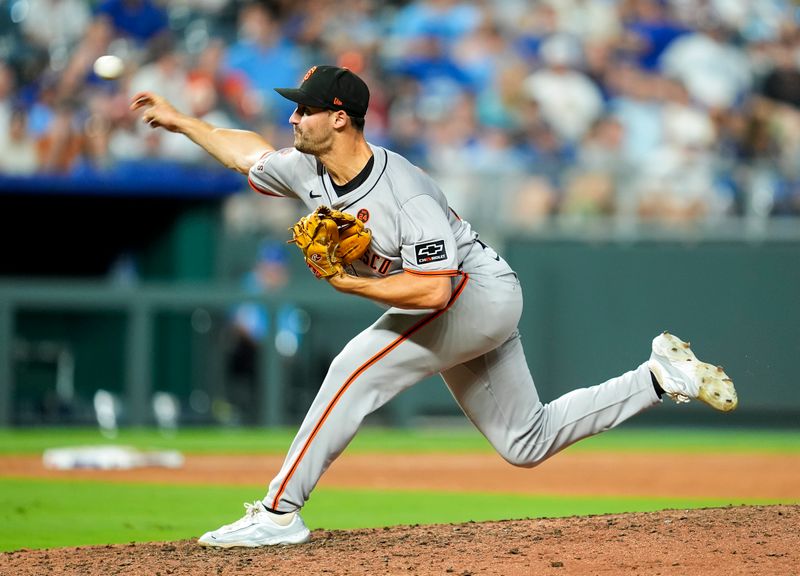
[332, 88]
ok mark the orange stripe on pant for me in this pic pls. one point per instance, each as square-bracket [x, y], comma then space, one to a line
[361, 369]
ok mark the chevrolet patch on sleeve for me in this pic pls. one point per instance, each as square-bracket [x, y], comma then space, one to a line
[430, 252]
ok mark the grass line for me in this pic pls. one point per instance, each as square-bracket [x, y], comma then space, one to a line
[48, 513]
[375, 440]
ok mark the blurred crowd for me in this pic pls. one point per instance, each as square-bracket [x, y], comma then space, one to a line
[672, 110]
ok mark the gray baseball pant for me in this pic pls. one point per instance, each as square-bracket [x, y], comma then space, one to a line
[475, 346]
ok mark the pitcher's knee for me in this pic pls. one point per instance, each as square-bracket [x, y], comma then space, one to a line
[340, 368]
[526, 449]
[519, 460]
[524, 456]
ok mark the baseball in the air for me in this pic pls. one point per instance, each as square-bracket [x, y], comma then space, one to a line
[109, 67]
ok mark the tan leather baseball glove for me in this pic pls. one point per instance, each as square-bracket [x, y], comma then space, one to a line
[330, 239]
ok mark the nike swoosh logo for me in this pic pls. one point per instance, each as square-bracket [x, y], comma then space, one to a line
[312, 195]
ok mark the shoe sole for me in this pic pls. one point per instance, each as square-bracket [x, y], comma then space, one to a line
[301, 538]
[715, 387]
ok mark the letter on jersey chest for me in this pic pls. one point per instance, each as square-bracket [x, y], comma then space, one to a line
[376, 262]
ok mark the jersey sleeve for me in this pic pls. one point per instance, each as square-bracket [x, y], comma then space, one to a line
[277, 173]
[428, 246]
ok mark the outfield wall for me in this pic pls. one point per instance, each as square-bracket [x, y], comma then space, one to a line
[592, 307]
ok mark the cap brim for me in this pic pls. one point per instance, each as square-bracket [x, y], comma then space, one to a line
[298, 96]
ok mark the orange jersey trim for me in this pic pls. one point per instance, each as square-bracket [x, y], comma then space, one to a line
[263, 191]
[359, 371]
[433, 272]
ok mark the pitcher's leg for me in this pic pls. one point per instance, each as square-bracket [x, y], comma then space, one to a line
[375, 366]
[400, 349]
[497, 393]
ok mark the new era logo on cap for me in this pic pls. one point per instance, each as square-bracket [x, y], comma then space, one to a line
[332, 88]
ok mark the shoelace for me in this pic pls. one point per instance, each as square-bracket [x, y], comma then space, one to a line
[251, 510]
[678, 397]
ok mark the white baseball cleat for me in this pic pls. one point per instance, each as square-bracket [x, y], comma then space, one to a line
[683, 377]
[258, 527]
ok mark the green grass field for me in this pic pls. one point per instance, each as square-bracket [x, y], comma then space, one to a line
[49, 513]
[457, 439]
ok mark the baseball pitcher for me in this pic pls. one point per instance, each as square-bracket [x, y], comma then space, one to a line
[380, 228]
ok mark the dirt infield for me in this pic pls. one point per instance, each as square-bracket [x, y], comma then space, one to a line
[752, 540]
[775, 476]
[722, 541]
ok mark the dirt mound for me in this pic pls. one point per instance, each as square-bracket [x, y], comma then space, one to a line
[719, 541]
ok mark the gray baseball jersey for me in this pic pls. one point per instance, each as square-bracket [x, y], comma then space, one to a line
[473, 342]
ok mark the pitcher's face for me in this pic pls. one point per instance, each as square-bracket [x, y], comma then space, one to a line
[313, 131]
